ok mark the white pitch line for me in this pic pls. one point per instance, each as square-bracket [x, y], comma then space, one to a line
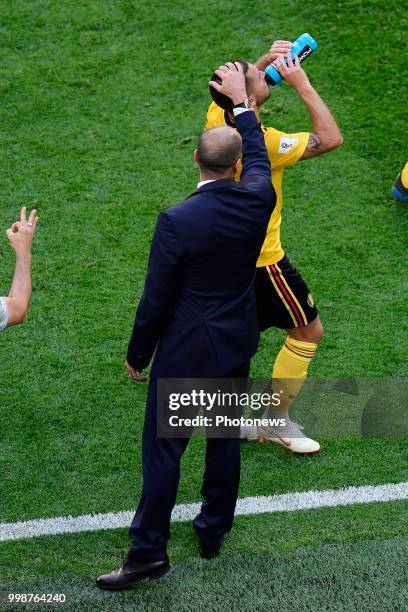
[289, 502]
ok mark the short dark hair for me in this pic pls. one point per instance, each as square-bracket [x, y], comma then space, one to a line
[220, 99]
[218, 149]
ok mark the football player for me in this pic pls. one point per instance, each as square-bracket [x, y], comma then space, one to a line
[283, 297]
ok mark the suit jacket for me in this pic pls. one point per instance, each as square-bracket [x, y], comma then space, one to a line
[198, 306]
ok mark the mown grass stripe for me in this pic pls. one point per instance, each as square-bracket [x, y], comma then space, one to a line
[289, 502]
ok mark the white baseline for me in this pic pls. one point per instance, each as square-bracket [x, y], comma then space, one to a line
[289, 502]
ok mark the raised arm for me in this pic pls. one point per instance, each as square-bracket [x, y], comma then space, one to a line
[255, 159]
[20, 235]
[325, 135]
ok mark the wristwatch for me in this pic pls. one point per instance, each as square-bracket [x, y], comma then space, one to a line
[245, 104]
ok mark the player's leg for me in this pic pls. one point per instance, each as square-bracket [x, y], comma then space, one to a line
[284, 301]
[289, 373]
[400, 186]
[293, 361]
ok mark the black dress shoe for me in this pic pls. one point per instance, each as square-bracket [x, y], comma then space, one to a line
[209, 551]
[133, 572]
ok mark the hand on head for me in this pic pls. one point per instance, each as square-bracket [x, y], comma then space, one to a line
[232, 82]
[21, 233]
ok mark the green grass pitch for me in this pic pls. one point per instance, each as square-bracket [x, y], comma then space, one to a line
[101, 102]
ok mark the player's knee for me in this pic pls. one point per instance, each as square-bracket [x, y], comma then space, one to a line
[313, 332]
[317, 331]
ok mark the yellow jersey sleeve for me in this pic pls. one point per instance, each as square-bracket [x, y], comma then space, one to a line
[285, 149]
[215, 116]
[404, 176]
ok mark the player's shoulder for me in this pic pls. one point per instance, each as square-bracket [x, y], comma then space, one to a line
[280, 144]
[272, 135]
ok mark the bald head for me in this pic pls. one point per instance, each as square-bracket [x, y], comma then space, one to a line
[218, 149]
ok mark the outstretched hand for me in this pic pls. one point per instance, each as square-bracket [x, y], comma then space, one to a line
[232, 82]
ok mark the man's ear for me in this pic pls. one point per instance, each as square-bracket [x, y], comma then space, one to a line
[196, 156]
[252, 100]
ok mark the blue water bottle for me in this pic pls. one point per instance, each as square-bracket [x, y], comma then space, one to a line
[302, 47]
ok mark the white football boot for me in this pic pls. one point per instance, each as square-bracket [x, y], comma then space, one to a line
[291, 437]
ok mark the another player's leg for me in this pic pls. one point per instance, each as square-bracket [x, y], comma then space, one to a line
[284, 301]
[289, 373]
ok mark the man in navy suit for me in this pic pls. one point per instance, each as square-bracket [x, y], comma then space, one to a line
[198, 313]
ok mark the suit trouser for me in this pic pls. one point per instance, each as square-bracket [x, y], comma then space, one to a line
[150, 528]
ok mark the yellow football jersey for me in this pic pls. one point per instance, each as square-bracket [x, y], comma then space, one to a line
[284, 150]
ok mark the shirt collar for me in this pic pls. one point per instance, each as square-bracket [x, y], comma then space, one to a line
[201, 183]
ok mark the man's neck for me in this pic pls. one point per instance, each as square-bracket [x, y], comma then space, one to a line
[215, 177]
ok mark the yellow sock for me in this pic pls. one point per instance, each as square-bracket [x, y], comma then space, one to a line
[290, 371]
[404, 176]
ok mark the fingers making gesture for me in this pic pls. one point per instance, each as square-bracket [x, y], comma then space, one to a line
[21, 233]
